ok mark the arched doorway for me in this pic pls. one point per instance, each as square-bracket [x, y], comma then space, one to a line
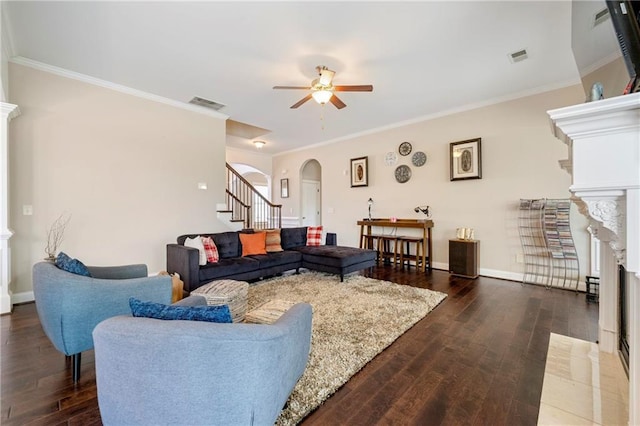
[311, 193]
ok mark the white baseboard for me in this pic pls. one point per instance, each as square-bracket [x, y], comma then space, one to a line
[493, 273]
[23, 297]
[5, 304]
[504, 275]
[27, 296]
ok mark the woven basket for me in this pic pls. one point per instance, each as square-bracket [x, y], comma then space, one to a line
[226, 292]
[269, 312]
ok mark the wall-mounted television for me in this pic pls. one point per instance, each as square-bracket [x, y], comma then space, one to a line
[625, 16]
[597, 39]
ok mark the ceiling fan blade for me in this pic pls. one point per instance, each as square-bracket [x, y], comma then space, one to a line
[357, 88]
[337, 102]
[301, 101]
[292, 87]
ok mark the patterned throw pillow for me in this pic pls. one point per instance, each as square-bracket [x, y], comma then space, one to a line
[273, 241]
[210, 250]
[219, 313]
[197, 244]
[314, 235]
[64, 262]
[253, 243]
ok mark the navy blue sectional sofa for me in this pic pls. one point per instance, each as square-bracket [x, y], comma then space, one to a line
[295, 255]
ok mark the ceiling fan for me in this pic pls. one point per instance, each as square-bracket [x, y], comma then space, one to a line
[322, 89]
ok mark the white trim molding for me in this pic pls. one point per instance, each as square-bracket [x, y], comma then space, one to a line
[113, 86]
[603, 139]
[9, 111]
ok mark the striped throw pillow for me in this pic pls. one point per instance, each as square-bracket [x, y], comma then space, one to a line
[273, 240]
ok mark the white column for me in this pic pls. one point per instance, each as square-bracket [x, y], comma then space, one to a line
[9, 111]
[633, 322]
[634, 351]
[608, 328]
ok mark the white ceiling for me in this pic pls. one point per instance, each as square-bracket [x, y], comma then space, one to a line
[423, 58]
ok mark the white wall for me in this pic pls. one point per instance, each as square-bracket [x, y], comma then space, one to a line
[255, 158]
[124, 167]
[519, 160]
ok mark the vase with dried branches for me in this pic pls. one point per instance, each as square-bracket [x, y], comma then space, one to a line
[55, 235]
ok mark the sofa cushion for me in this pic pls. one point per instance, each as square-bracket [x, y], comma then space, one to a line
[66, 263]
[227, 267]
[253, 243]
[273, 240]
[293, 237]
[336, 256]
[228, 244]
[219, 313]
[277, 259]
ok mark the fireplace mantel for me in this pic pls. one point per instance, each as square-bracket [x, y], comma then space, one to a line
[603, 138]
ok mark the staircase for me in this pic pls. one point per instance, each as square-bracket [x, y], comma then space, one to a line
[248, 206]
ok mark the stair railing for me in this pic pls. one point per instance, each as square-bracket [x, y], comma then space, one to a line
[246, 204]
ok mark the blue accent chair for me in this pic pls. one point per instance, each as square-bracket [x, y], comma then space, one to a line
[161, 372]
[70, 306]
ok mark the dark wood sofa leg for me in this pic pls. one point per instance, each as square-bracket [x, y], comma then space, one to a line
[341, 278]
[76, 366]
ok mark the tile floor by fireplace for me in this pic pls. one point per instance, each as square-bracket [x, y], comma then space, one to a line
[582, 385]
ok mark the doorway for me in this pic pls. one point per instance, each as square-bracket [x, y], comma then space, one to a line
[311, 193]
[310, 203]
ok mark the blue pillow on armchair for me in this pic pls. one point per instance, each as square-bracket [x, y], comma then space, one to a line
[220, 314]
[66, 263]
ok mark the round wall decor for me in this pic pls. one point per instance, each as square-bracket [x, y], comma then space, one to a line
[419, 158]
[405, 148]
[390, 158]
[403, 173]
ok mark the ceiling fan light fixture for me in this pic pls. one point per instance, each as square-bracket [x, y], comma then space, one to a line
[322, 96]
[326, 76]
[259, 144]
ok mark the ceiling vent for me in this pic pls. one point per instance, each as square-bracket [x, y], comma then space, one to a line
[518, 56]
[207, 103]
[600, 17]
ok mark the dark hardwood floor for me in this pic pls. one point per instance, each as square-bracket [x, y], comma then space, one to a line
[478, 358]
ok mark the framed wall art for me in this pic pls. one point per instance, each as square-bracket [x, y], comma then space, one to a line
[465, 159]
[284, 188]
[359, 171]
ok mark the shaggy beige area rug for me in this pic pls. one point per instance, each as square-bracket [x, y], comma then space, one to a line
[352, 322]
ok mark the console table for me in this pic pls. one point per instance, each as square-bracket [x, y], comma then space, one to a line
[367, 236]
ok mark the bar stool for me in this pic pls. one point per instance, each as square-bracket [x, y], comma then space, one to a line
[384, 248]
[406, 242]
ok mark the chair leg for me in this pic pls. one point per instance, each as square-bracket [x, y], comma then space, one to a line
[76, 366]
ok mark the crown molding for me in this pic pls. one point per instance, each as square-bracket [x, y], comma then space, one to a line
[9, 111]
[469, 107]
[113, 86]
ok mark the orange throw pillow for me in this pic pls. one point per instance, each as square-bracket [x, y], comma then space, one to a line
[253, 243]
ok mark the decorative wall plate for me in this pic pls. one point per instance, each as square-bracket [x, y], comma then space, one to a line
[405, 148]
[403, 173]
[390, 158]
[418, 158]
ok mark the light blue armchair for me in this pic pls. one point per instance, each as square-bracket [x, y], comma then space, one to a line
[158, 372]
[70, 306]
